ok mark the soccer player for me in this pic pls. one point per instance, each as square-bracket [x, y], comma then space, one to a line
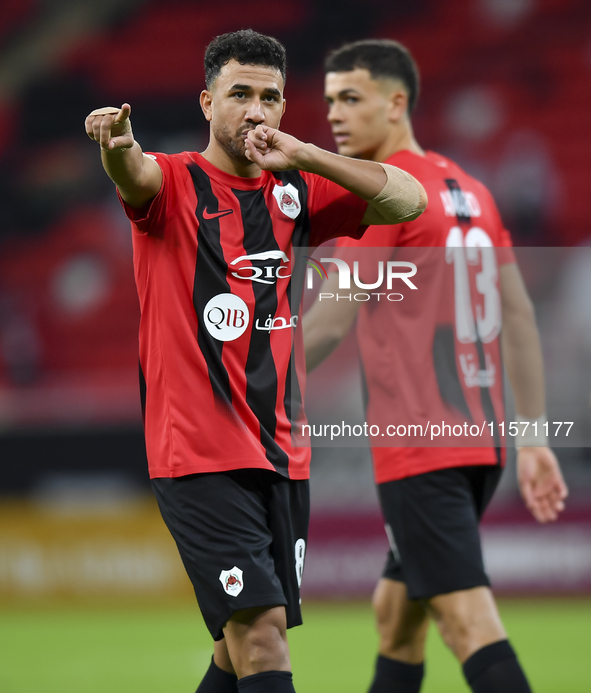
[416, 364]
[212, 236]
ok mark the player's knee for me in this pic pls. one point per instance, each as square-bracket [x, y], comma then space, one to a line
[266, 647]
[389, 628]
[400, 636]
[454, 630]
[382, 611]
[396, 639]
[465, 632]
[258, 640]
[387, 602]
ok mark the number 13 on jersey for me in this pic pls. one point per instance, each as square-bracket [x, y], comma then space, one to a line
[473, 249]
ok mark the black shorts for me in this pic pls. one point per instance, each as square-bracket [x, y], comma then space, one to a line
[432, 525]
[242, 538]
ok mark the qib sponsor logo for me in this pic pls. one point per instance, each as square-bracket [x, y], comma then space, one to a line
[226, 317]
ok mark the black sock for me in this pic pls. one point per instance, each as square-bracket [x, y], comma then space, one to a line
[267, 682]
[217, 680]
[495, 669]
[392, 676]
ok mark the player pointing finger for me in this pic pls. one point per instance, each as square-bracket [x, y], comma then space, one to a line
[137, 176]
[231, 487]
[111, 127]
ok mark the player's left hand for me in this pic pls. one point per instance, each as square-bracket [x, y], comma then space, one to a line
[271, 149]
[540, 482]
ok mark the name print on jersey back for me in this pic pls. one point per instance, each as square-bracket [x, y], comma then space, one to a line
[460, 203]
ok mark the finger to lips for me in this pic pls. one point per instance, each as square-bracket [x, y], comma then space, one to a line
[255, 141]
[260, 134]
[249, 146]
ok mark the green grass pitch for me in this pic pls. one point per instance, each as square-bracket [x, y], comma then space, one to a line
[166, 649]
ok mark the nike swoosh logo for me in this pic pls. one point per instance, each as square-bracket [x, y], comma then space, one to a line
[216, 215]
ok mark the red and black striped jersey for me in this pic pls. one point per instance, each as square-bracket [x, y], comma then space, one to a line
[434, 357]
[219, 299]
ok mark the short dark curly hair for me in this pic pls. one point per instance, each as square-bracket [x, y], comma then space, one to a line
[383, 58]
[246, 46]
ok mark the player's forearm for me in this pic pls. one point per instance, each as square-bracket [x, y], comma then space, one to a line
[363, 178]
[326, 324]
[522, 355]
[137, 177]
[393, 194]
[319, 341]
[125, 167]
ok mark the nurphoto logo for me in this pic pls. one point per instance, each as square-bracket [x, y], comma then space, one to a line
[389, 271]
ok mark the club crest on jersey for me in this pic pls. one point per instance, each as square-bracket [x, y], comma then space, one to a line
[232, 581]
[288, 200]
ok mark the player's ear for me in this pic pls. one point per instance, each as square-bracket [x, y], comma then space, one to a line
[205, 99]
[398, 105]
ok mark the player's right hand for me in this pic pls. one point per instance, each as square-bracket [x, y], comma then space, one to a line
[111, 128]
[271, 149]
[541, 483]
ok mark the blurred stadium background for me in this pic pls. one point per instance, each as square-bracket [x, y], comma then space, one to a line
[92, 593]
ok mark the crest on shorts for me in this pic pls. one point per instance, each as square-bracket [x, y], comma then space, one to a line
[288, 199]
[232, 581]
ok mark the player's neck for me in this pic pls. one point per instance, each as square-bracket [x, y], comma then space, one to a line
[218, 157]
[400, 139]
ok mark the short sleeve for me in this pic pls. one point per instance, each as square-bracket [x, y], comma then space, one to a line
[152, 216]
[333, 210]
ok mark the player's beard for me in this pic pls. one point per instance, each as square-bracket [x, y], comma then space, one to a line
[232, 144]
